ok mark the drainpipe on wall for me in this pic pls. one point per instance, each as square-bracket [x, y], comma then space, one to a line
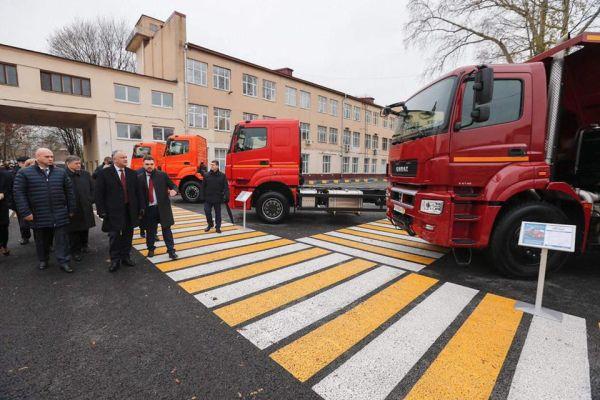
[341, 133]
[185, 89]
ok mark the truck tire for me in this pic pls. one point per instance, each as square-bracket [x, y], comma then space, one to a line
[191, 192]
[272, 207]
[523, 262]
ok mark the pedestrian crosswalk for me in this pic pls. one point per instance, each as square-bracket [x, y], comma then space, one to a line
[348, 313]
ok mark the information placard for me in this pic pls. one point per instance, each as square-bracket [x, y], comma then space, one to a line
[548, 236]
[243, 196]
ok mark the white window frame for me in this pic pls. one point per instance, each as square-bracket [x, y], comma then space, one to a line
[385, 122]
[198, 116]
[304, 157]
[356, 113]
[129, 126]
[162, 129]
[127, 95]
[367, 116]
[356, 140]
[355, 165]
[375, 141]
[249, 85]
[291, 95]
[375, 118]
[367, 141]
[249, 116]
[193, 67]
[347, 111]
[347, 137]
[326, 164]
[322, 104]
[224, 74]
[162, 99]
[333, 107]
[222, 160]
[383, 166]
[222, 114]
[304, 99]
[304, 130]
[321, 134]
[366, 165]
[270, 90]
[345, 165]
[384, 143]
[333, 136]
[392, 123]
[374, 166]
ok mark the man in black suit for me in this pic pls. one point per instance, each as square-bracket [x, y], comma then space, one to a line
[156, 188]
[216, 192]
[119, 203]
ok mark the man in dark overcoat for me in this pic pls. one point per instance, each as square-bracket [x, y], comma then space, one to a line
[216, 192]
[120, 205]
[83, 219]
[156, 188]
[44, 197]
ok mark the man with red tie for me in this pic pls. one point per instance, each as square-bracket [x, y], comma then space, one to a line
[156, 188]
[119, 203]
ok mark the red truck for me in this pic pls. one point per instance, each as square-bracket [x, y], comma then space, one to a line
[142, 149]
[483, 148]
[264, 158]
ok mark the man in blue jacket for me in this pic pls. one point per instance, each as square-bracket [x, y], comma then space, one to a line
[44, 197]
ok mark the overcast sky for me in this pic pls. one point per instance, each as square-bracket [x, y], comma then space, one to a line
[349, 45]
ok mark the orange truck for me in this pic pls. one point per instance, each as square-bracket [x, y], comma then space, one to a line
[142, 149]
[184, 156]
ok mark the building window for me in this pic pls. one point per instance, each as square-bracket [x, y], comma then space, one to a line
[197, 72]
[347, 110]
[162, 99]
[250, 85]
[367, 141]
[304, 164]
[198, 116]
[129, 131]
[268, 90]
[290, 96]
[333, 135]
[222, 119]
[249, 116]
[385, 122]
[268, 117]
[356, 113]
[392, 123]
[8, 75]
[128, 94]
[345, 165]
[221, 157]
[53, 82]
[367, 116]
[366, 166]
[355, 165]
[375, 118]
[322, 104]
[356, 140]
[304, 131]
[304, 99]
[374, 166]
[375, 142]
[384, 143]
[221, 78]
[346, 138]
[383, 166]
[161, 132]
[333, 107]
[322, 134]
[326, 164]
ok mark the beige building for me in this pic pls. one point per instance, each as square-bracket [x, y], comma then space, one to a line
[183, 87]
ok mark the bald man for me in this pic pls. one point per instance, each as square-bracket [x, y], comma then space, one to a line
[120, 204]
[45, 199]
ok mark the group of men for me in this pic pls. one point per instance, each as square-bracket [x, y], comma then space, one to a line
[57, 203]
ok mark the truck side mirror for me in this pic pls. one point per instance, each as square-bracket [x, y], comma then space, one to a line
[483, 85]
[481, 113]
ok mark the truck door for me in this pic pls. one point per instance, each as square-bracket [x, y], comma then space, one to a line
[250, 152]
[478, 150]
[177, 156]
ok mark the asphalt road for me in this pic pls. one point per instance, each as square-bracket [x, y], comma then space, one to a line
[137, 334]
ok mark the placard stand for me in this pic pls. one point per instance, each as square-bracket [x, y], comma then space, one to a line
[243, 198]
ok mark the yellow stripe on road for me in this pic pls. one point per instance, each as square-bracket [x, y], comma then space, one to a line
[468, 366]
[220, 255]
[419, 245]
[179, 235]
[391, 229]
[317, 349]
[376, 249]
[259, 304]
[207, 282]
[206, 242]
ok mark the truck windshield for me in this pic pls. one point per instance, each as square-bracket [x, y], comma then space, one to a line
[427, 112]
[141, 151]
[177, 147]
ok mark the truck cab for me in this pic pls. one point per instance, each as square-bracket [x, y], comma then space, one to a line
[185, 156]
[142, 149]
[485, 147]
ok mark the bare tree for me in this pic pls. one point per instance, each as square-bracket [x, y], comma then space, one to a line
[101, 41]
[72, 139]
[495, 30]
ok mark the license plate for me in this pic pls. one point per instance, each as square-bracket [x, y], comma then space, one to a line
[400, 209]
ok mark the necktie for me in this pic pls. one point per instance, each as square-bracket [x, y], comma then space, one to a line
[124, 184]
[46, 172]
[150, 190]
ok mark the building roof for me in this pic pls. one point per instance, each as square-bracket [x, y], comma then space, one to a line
[364, 100]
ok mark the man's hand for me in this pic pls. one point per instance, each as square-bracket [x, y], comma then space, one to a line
[172, 193]
[101, 216]
[141, 214]
[29, 218]
[71, 215]
[1, 196]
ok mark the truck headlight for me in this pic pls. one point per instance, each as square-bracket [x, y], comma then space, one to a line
[432, 206]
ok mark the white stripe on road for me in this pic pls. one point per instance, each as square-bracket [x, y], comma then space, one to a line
[194, 238]
[411, 266]
[554, 362]
[376, 369]
[414, 238]
[387, 245]
[273, 328]
[387, 234]
[178, 230]
[243, 288]
[215, 247]
[205, 269]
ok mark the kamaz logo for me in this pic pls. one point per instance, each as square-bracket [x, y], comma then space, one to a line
[401, 168]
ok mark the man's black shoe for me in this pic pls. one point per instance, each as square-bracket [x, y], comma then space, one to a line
[218, 230]
[128, 261]
[173, 255]
[150, 253]
[43, 265]
[66, 267]
[143, 234]
[24, 241]
[207, 228]
[114, 265]
[77, 257]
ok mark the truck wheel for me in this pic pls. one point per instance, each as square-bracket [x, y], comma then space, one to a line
[272, 207]
[191, 192]
[518, 261]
